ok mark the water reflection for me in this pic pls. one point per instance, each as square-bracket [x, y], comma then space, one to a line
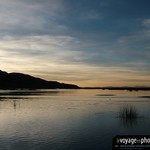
[128, 122]
[14, 104]
[28, 93]
[34, 92]
[68, 119]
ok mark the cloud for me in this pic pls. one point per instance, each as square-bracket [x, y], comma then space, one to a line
[91, 15]
[75, 60]
[34, 17]
[59, 47]
[146, 22]
[74, 41]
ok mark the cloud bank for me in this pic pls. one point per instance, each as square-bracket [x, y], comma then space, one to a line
[83, 42]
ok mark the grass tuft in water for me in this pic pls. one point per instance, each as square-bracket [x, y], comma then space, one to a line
[128, 112]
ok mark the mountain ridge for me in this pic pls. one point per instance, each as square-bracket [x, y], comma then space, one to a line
[16, 80]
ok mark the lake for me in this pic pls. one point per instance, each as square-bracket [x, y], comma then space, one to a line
[69, 119]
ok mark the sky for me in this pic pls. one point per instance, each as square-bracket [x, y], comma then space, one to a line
[83, 42]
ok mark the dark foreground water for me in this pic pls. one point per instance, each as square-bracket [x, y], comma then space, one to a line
[69, 119]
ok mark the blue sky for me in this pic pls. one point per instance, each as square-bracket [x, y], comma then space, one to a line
[85, 42]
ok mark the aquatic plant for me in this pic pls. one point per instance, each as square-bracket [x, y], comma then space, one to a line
[128, 112]
[128, 115]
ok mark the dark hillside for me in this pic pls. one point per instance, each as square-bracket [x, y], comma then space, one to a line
[24, 81]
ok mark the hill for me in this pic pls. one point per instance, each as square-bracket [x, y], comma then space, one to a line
[24, 81]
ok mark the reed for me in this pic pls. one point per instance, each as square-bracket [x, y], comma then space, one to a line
[128, 112]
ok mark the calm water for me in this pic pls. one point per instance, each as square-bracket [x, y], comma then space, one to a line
[69, 119]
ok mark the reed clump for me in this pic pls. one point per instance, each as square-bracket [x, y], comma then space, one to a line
[128, 112]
